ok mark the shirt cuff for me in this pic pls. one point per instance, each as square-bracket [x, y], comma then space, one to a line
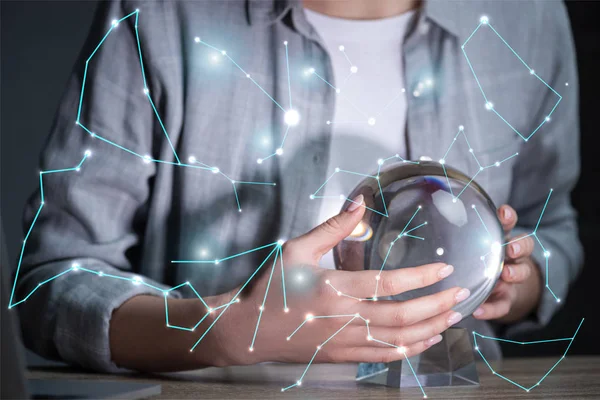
[84, 312]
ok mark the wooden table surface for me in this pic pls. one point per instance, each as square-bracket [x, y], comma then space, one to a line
[574, 378]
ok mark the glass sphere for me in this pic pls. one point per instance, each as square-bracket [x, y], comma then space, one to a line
[420, 213]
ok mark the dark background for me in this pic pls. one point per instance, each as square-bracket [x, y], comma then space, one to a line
[40, 41]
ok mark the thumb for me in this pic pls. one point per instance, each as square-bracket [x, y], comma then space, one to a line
[325, 236]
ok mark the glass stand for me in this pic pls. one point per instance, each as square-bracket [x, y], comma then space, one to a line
[448, 363]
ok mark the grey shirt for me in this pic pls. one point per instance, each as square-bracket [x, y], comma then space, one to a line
[123, 216]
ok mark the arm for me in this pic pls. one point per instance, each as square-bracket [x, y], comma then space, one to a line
[93, 217]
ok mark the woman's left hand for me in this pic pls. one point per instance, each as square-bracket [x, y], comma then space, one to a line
[518, 291]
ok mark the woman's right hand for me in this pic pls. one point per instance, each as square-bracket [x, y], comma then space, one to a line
[395, 329]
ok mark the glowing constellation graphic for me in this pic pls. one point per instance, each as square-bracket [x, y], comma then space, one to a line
[527, 389]
[484, 21]
[481, 168]
[291, 116]
[147, 158]
[87, 154]
[401, 349]
[380, 162]
[535, 235]
[278, 256]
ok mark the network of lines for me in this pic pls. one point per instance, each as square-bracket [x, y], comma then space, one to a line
[290, 119]
[484, 21]
[527, 389]
[401, 349]
[192, 162]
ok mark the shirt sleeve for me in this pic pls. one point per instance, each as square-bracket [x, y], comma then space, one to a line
[548, 165]
[80, 251]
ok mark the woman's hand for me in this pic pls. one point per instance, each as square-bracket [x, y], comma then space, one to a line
[518, 291]
[408, 327]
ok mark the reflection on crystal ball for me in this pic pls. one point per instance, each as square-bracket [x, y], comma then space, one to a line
[416, 214]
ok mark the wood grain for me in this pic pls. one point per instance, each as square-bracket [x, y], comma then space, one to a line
[574, 378]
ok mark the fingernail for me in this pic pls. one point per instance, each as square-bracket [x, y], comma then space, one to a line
[454, 318]
[356, 202]
[445, 271]
[516, 248]
[462, 295]
[434, 340]
[478, 312]
[507, 213]
[509, 271]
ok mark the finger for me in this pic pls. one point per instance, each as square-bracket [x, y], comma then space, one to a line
[356, 336]
[497, 306]
[520, 246]
[508, 217]
[325, 236]
[515, 273]
[382, 354]
[396, 313]
[363, 284]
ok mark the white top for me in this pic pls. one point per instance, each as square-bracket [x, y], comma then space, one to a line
[370, 111]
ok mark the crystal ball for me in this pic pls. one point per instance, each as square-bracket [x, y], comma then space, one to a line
[420, 213]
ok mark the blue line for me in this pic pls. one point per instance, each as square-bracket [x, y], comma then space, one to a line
[163, 127]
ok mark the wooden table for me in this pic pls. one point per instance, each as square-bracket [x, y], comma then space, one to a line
[574, 378]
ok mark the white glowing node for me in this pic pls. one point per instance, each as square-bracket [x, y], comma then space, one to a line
[371, 121]
[380, 161]
[312, 197]
[442, 161]
[354, 69]
[337, 169]
[215, 170]
[279, 151]
[259, 161]
[402, 349]
[115, 23]
[309, 317]
[286, 310]
[439, 251]
[342, 197]
[484, 19]
[531, 71]
[311, 70]
[337, 90]
[88, 153]
[461, 127]
[223, 52]
[547, 119]
[341, 48]
[147, 159]
[192, 159]
[75, 267]
[197, 39]
[136, 280]
[291, 118]
[489, 105]
[285, 43]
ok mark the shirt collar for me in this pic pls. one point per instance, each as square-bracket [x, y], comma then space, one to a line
[444, 13]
